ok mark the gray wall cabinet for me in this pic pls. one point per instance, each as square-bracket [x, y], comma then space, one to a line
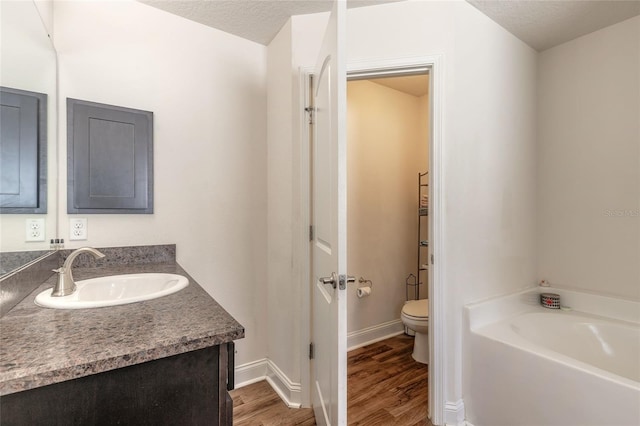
[109, 159]
[23, 152]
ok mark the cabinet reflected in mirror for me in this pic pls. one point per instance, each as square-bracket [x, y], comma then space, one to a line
[28, 63]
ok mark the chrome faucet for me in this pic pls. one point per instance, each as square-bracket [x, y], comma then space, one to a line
[65, 285]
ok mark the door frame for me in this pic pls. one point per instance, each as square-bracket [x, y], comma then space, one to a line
[378, 68]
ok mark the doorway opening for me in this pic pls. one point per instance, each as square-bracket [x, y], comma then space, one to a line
[388, 136]
[366, 70]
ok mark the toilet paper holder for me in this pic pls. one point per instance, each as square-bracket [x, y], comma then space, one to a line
[364, 288]
[364, 281]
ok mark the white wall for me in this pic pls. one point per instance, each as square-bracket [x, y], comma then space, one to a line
[489, 148]
[282, 289]
[45, 10]
[207, 90]
[296, 45]
[386, 149]
[589, 162]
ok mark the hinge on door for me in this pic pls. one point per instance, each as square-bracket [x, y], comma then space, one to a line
[310, 232]
[432, 258]
[311, 351]
[310, 110]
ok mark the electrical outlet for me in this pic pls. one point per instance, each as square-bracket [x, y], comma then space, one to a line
[34, 230]
[78, 228]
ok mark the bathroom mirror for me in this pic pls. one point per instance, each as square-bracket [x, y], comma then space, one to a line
[28, 63]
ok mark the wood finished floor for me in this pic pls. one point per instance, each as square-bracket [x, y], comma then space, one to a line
[385, 386]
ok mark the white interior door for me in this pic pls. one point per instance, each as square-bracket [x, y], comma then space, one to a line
[329, 217]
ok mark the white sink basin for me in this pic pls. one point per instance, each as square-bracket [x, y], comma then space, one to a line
[114, 290]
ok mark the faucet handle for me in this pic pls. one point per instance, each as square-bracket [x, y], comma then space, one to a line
[59, 270]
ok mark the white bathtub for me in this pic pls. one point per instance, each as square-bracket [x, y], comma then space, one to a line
[527, 365]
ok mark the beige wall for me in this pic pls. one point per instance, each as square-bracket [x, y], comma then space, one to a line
[207, 90]
[588, 200]
[387, 145]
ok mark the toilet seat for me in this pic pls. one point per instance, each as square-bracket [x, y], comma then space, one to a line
[417, 309]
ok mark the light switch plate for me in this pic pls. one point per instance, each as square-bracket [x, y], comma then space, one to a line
[78, 228]
[34, 230]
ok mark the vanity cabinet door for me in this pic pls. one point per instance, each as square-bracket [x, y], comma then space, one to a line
[229, 414]
[178, 390]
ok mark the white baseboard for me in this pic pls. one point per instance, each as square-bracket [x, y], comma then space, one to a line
[366, 336]
[289, 392]
[454, 413]
[251, 372]
[264, 369]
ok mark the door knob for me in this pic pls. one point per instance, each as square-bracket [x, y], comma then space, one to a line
[332, 280]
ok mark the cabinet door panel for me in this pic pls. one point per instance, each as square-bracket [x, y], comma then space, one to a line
[177, 390]
[110, 167]
[23, 152]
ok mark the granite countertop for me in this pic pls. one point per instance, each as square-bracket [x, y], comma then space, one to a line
[41, 346]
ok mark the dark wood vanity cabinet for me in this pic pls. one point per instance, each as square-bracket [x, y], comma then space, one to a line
[186, 389]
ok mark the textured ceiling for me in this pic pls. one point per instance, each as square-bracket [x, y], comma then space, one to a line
[546, 23]
[539, 23]
[256, 20]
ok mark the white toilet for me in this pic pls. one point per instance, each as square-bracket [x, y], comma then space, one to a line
[415, 315]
